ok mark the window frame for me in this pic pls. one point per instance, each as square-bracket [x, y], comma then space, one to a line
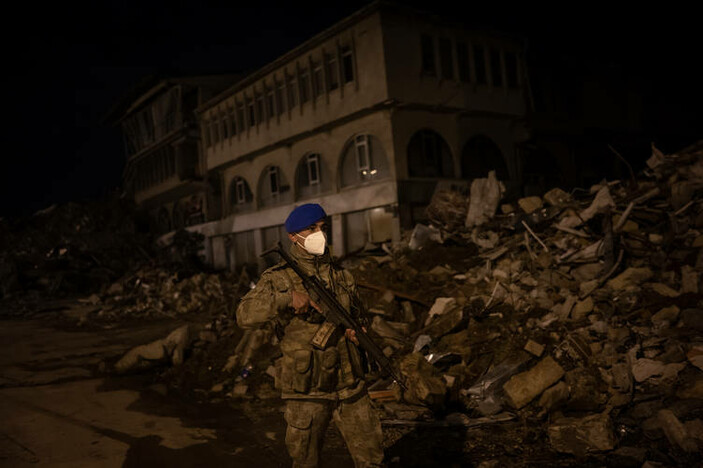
[274, 178]
[309, 159]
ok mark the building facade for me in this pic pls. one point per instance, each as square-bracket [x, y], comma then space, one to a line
[367, 118]
[164, 172]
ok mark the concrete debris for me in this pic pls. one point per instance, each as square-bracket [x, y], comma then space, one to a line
[580, 436]
[557, 197]
[172, 348]
[554, 396]
[675, 431]
[523, 388]
[580, 313]
[534, 348]
[630, 277]
[440, 307]
[422, 235]
[644, 369]
[530, 204]
[484, 199]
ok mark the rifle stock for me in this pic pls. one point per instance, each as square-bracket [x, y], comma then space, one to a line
[337, 314]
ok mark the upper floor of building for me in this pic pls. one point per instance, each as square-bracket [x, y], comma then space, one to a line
[381, 56]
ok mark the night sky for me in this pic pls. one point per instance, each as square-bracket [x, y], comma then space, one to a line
[66, 66]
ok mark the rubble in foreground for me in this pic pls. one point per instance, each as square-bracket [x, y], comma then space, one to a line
[565, 330]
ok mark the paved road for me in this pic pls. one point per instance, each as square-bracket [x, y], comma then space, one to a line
[57, 411]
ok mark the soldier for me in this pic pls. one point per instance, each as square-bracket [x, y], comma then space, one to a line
[318, 383]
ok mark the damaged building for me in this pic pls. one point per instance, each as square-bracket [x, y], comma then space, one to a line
[354, 119]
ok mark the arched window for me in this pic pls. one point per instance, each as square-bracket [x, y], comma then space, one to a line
[363, 160]
[481, 155]
[240, 196]
[274, 189]
[429, 155]
[313, 176]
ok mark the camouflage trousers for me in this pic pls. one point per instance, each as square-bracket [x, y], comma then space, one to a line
[360, 426]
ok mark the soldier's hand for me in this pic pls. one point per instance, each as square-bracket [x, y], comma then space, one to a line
[351, 335]
[301, 302]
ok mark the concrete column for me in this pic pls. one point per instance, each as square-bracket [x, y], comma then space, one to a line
[258, 248]
[219, 260]
[338, 235]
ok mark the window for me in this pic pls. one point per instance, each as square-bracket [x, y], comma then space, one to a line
[292, 92]
[363, 158]
[240, 191]
[496, 70]
[304, 86]
[318, 80]
[428, 59]
[445, 58]
[252, 114]
[511, 69]
[480, 64]
[313, 167]
[274, 181]
[260, 108]
[240, 117]
[224, 126]
[332, 72]
[270, 106]
[462, 60]
[232, 122]
[347, 64]
[280, 99]
[429, 155]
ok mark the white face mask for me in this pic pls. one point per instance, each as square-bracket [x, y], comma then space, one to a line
[315, 243]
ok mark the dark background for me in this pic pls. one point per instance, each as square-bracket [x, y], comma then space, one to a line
[68, 65]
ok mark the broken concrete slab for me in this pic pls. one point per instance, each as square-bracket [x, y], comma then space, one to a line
[523, 388]
[557, 197]
[662, 289]
[630, 277]
[484, 198]
[644, 369]
[582, 309]
[534, 348]
[440, 307]
[579, 436]
[675, 431]
[530, 204]
[554, 396]
[667, 314]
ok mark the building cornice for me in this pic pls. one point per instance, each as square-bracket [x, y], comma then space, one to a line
[311, 43]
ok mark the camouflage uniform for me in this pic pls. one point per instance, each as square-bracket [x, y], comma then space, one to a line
[317, 384]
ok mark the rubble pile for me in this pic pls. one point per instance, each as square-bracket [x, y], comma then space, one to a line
[68, 250]
[153, 292]
[580, 313]
[572, 321]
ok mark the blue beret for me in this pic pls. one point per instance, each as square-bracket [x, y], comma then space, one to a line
[303, 216]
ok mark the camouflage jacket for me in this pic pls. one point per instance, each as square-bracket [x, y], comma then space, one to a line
[305, 371]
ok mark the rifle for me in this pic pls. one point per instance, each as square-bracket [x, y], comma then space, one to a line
[337, 314]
